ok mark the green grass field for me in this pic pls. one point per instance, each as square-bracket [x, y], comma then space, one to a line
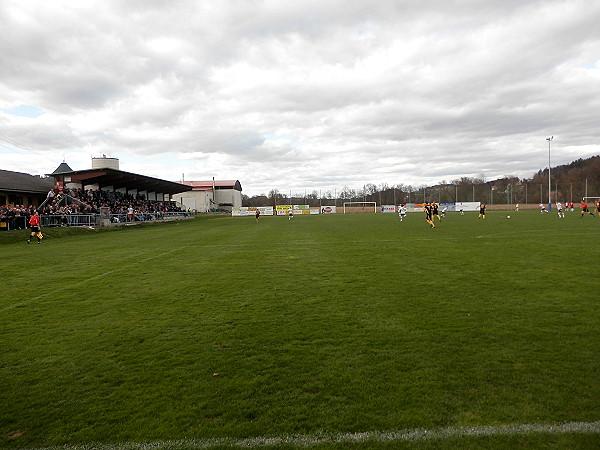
[217, 330]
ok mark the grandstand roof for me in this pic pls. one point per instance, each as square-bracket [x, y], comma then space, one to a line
[218, 184]
[120, 179]
[24, 183]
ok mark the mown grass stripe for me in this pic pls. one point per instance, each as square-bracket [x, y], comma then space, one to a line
[84, 281]
[341, 438]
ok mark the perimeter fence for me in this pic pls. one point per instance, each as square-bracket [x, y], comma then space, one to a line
[493, 194]
[87, 220]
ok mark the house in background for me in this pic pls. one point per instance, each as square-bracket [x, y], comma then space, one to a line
[17, 188]
[212, 195]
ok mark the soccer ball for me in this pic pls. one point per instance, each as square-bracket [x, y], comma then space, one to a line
[508, 217]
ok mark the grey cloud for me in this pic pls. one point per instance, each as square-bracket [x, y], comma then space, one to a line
[306, 91]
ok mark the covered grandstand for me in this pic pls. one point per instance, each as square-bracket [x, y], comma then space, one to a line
[110, 179]
[97, 196]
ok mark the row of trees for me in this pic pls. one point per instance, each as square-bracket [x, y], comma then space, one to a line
[569, 183]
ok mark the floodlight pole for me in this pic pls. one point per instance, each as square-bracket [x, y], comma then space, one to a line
[549, 185]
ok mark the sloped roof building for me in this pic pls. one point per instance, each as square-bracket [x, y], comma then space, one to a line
[17, 188]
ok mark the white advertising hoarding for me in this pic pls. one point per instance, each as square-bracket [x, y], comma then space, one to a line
[244, 211]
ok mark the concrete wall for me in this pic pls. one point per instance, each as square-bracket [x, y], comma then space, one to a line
[230, 196]
[201, 200]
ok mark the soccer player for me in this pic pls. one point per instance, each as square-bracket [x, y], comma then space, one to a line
[598, 207]
[257, 214]
[559, 209]
[428, 214]
[290, 214]
[34, 224]
[402, 212]
[481, 211]
[584, 209]
[435, 213]
[461, 208]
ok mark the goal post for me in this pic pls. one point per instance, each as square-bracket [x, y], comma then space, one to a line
[368, 206]
[593, 202]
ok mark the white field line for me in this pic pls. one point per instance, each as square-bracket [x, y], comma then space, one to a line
[87, 280]
[537, 235]
[415, 435]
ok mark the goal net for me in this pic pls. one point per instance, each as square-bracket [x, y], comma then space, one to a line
[360, 207]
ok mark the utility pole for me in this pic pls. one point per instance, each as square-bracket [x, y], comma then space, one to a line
[549, 184]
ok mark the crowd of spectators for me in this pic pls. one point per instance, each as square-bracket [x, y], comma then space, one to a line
[90, 201]
[16, 217]
[122, 207]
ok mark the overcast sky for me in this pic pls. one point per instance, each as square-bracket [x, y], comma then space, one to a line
[300, 95]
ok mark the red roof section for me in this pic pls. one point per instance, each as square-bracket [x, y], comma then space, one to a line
[208, 185]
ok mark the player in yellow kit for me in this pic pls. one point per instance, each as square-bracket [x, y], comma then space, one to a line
[481, 211]
[428, 208]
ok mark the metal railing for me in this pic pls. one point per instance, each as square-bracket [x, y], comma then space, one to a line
[69, 220]
[13, 223]
[122, 218]
[87, 220]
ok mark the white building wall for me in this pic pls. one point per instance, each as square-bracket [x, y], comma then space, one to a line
[201, 200]
[230, 196]
[205, 201]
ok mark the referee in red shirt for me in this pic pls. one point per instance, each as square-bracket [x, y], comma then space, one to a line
[34, 224]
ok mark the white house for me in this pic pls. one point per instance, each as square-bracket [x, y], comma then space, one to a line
[211, 195]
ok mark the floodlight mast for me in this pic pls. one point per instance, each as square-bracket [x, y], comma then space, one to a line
[549, 183]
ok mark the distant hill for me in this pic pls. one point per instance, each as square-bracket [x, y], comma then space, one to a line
[570, 182]
[581, 169]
